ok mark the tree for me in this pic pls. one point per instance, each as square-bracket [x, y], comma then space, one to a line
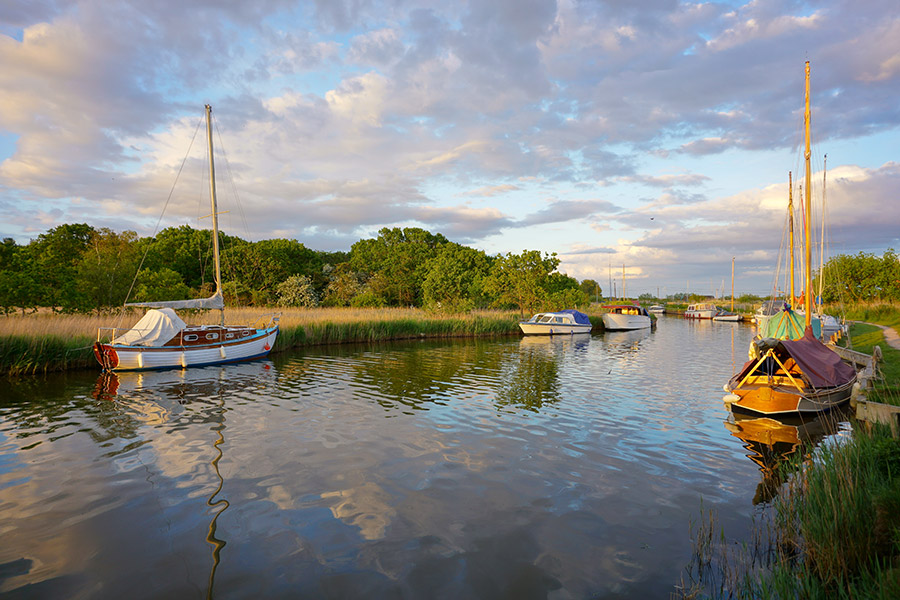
[455, 277]
[296, 290]
[106, 270]
[56, 256]
[343, 285]
[592, 289]
[520, 279]
[399, 257]
[159, 286]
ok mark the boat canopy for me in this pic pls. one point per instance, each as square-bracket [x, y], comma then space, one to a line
[214, 302]
[789, 324]
[580, 317]
[154, 329]
[821, 367]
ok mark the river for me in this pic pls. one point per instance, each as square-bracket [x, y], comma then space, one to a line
[564, 467]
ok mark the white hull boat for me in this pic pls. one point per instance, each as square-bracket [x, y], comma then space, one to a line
[626, 318]
[557, 323]
[701, 311]
[161, 340]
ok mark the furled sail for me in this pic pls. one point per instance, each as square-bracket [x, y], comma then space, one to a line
[214, 302]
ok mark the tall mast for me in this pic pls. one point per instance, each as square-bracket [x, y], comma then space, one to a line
[808, 292]
[791, 228]
[732, 284]
[822, 239]
[215, 216]
[624, 295]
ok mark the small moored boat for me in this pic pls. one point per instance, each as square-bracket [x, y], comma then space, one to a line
[702, 310]
[658, 309]
[622, 317]
[162, 340]
[555, 323]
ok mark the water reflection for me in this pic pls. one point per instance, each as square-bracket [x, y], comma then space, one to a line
[517, 467]
[773, 444]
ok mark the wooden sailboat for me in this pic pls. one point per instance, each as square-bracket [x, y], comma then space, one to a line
[162, 340]
[792, 376]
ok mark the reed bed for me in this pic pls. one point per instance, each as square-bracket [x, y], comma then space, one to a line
[46, 341]
[833, 532]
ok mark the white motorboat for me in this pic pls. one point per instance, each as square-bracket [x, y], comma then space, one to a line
[568, 321]
[725, 315]
[702, 310]
[623, 317]
[658, 309]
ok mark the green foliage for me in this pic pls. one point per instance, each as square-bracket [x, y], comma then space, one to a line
[106, 270]
[455, 278]
[343, 286]
[591, 289]
[398, 261]
[159, 285]
[56, 255]
[296, 290]
[862, 277]
[520, 280]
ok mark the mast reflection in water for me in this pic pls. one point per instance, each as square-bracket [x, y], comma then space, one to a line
[526, 468]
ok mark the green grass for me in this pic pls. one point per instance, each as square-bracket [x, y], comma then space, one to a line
[832, 532]
[24, 355]
[864, 338]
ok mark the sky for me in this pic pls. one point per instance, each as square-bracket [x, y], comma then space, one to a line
[650, 136]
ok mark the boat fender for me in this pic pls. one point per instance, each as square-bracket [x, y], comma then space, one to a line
[184, 363]
[854, 394]
[222, 351]
[730, 399]
[140, 360]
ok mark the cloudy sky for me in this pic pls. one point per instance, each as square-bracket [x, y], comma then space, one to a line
[654, 134]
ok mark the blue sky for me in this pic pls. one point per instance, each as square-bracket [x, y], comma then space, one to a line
[654, 134]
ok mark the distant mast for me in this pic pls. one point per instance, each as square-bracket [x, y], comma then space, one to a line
[808, 203]
[791, 228]
[215, 215]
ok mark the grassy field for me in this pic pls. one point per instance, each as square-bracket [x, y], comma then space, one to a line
[45, 341]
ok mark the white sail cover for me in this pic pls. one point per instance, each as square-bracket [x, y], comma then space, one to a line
[154, 329]
[214, 302]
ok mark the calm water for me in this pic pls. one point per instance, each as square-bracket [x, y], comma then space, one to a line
[520, 468]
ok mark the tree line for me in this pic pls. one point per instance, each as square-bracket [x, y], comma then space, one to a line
[860, 277]
[79, 268]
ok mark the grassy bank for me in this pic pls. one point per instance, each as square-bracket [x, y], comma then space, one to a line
[44, 341]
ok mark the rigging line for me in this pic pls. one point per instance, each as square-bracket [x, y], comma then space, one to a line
[237, 198]
[158, 221]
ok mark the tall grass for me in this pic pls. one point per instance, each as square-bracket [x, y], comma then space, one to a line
[833, 532]
[45, 341]
[885, 388]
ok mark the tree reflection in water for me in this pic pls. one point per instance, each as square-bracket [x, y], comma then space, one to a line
[774, 444]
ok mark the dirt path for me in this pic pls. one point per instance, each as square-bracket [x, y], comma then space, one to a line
[890, 336]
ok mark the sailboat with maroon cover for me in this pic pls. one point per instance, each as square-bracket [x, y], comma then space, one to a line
[792, 376]
[162, 340]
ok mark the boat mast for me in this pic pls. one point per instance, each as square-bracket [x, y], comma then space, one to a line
[215, 216]
[732, 284]
[624, 295]
[807, 202]
[822, 240]
[791, 229]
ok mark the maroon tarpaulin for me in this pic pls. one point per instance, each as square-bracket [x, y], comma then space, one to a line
[821, 366]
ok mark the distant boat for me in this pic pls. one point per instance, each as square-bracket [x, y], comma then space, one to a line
[726, 315]
[729, 315]
[702, 310]
[568, 321]
[623, 317]
[161, 340]
[658, 309]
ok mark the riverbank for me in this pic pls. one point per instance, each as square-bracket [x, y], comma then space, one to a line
[45, 342]
[833, 529]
